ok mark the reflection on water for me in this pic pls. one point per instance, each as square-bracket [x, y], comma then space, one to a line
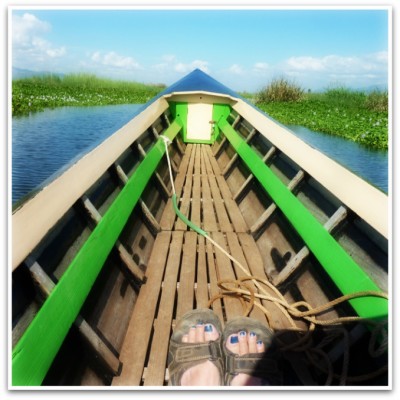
[371, 165]
[44, 142]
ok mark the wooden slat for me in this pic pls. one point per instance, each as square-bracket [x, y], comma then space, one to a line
[214, 277]
[131, 266]
[133, 352]
[184, 205]
[187, 275]
[209, 220]
[236, 252]
[162, 326]
[202, 284]
[231, 163]
[255, 262]
[190, 168]
[270, 210]
[197, 160]
[207, 168]
[337, 218]
[238, 195]
[183, 168]
[220, 146]
[150, 219]
[233, 306]
[160, 183]
[168, 218]
[96, 344]
[213, 161]
[195, 213]
[223, 219]
[235, 215]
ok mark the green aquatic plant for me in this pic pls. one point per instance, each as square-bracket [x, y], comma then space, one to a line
[280, 89]
[353, 114]
[50, 91]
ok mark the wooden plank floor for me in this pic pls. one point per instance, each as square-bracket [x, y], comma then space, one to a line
[183, 269]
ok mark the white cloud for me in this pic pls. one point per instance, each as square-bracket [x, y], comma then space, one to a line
[168, 58]
[114, 60]
[305, 63]
[353, 71]
[27, 27]
[188, 67]
[338, 64]
[261, 67]
[236, 69]
[29, 47]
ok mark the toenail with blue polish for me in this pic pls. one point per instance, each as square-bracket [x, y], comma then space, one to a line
[242, 333]
[252, 334]
[208, 328]
[259, 342]
[234, 339]
[193, 327]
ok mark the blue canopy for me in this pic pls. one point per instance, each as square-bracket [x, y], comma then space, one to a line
[198, 80]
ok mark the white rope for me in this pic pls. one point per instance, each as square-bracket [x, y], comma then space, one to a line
[167, 142]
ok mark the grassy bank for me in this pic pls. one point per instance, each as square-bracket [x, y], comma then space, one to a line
[49, 91]
[354, 115]
[357, 116]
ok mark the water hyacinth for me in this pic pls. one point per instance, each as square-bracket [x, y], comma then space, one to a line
[337, 112]
[39, 93]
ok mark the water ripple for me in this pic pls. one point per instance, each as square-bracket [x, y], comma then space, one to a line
[45, 142]
[371, 165]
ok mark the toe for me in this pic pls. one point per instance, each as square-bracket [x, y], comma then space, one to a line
[260, 346]
[192, 334]
[232, 343]
[243, 343]
[185, 338]
[200, 333]
[210, 333]
[252, 340]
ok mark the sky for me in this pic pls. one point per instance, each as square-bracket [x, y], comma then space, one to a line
[243, 48]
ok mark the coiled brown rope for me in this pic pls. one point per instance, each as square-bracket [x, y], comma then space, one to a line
[315, 354]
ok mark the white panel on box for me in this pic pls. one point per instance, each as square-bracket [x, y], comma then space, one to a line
[198, 121]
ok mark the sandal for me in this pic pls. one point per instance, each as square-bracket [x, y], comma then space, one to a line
[182, 356]
[261, 365]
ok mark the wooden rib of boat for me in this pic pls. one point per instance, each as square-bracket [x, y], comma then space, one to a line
[102, 267]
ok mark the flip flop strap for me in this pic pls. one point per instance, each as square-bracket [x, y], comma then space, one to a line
[253, 364]
[198, 351]
[186, 355]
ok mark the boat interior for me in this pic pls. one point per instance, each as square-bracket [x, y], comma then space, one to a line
[159, 268]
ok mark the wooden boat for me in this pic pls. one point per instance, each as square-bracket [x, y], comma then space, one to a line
[102, 267]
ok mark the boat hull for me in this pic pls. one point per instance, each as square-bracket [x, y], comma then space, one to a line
[112, 263]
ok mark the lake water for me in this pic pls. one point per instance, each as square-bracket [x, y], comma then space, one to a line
[371, 165]
[45, 142]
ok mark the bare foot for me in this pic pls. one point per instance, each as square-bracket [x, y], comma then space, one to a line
[244, 343]
[204, 374]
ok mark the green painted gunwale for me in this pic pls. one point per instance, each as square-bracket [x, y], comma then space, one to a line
[343, 270]
[37, 348]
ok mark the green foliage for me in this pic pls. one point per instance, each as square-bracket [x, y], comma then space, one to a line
[280, 89]
[369, 128]
[50, 91]
[355, 115]
[377, 101]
